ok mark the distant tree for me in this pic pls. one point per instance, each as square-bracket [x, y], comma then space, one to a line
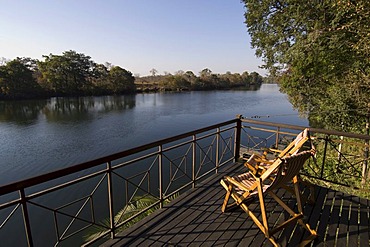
[205, 73]
[179, 72]
[121, 80]
[66, 74]
[99, 78]
[17, 81]
[246, 78]
[255, 78]
[153, 72]
[176, 82]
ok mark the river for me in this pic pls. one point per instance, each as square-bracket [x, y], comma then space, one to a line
[39, 136]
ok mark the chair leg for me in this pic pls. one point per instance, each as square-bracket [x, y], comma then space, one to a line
[273, 241]
[227, 198]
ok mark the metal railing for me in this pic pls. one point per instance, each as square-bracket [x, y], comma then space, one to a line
[61, 207]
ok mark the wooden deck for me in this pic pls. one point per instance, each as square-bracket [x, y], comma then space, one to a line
[195, 219]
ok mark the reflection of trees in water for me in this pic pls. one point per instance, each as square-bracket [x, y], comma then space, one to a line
[254, 87]
[63, 108]
[68, 109]
[84, 108]
[116, 103]
[21, 112]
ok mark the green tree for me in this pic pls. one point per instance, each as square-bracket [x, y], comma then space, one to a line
[99, 78]
[121, 80]
[17, 81]
[176, 82]
[66, 74]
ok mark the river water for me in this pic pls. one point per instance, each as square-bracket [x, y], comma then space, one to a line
[40, 136]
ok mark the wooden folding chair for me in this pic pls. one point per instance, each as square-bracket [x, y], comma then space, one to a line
[258, 164]
[247, 186]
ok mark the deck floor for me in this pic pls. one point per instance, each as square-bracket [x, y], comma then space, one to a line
[195, 219]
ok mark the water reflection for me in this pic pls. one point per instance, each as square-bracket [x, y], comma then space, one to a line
[63, 109]
[21, 112]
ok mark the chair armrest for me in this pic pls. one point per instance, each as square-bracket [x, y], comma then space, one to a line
[236, 183]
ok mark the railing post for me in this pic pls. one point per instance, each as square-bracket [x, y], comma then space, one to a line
[217, 149]
[365, 167]
[194, 160]
[160, 175]
[277, 138]
[237, 138]
[324, 156]
[26, 219]
[110, 200]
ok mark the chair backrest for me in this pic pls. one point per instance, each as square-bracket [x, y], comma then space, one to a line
[296, 145]
[289, 167]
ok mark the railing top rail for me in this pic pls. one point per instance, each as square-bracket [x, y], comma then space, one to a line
[315, 130]
[22, 184]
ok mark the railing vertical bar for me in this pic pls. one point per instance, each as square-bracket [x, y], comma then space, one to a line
[56, 225]
[160, 175]
[26, 219]
[194, 161]
[365, 167]
[277, 137]
[92, 209]
[217, 149]
[237, 138]
[110, 199]
[324, 156]
[126, 192]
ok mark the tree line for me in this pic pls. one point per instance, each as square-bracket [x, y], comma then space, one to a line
[319, 51]
[205, 81]
[69, 74]
[76, 74]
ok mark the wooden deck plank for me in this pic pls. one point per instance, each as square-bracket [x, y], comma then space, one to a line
[297, 232]
[207, 213]
[353, 223]
[245, 224]
[314, 217]
[324, 219]
[364, 223]
[195, 219]
[331, 235]
[342, 239]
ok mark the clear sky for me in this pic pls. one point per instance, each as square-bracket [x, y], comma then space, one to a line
[138, 35]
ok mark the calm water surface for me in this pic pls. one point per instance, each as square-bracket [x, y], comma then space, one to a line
[44, 135]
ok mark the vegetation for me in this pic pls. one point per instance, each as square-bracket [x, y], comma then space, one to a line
[205, 81]
[319, 51]
[75, 74]
[68, 74]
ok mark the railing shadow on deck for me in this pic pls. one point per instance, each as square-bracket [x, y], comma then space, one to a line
[72, 202]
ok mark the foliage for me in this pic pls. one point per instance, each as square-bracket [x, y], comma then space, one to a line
[205, 81]
[68, 74]
[320, 50]
[121, 80]
[76, 74]
[16, 79]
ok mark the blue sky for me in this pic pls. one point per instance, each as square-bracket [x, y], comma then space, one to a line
[138, 35]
